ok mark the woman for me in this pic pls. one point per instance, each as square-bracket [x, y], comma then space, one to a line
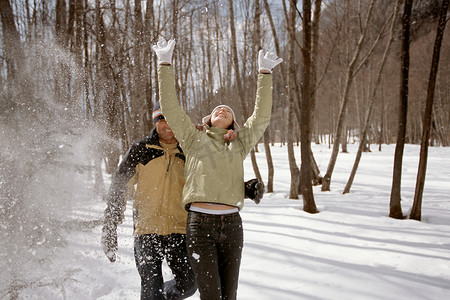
[214, 190]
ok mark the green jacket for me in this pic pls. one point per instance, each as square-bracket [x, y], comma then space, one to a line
[214, 169]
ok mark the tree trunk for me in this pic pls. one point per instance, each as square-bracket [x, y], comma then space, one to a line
[236, 61]
[270, 168]
[149, 26]
[372, 101]
[439, 113]
[282, 104]
[138, 83]
[61, 40]
[13, 47]
[315, 36]
[295, 172]
[255, 165]
[309, 204]
[416, 211]
[238, 82]
[105, 82]
[381, 139]
[344, 138]
[395, 208]
[257, 47]
[344, 102]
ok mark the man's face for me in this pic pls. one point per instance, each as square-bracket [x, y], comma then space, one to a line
[165, 133]
[222, 117]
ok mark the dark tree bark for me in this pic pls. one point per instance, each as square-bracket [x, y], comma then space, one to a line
[13, 46]
[395, 208]
[315, 36]
[309, 204]
[416, 212]
[105, 85]
[149, 21]
[295, 172]
[60, 22]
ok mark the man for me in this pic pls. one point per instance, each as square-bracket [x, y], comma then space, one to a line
[154, 169]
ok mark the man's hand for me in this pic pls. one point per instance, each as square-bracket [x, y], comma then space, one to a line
[164, 51]
[109, 240]
[267, 62]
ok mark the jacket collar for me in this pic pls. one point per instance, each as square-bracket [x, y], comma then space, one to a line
[217, 133]
[153, 139]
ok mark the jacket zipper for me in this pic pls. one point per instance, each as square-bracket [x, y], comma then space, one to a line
[168, 165]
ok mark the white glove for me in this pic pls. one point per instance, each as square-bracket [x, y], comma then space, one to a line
[267, 62]
[164, 51]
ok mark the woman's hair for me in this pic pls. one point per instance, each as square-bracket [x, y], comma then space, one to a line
[208, 123]
[207, 119]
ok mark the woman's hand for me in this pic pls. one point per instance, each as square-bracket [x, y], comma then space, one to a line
[164, 51]
[267, 62]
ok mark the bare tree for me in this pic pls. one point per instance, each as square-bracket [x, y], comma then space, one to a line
[237, 73]
[295, 172]
[416, 211]
[365, 125]
[315, 36]
[309, 204]
[108, 108]
[257, 36]
[271, 169]
[258, 39]
[137, 107]
[395, 208]
[350, 73]
[149, 40]
[239, 85]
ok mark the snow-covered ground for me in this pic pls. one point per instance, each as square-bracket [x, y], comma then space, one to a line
[350, 250]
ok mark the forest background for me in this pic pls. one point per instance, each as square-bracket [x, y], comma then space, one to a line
[78, 83]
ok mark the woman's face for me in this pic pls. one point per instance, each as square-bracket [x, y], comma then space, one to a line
[222, 117]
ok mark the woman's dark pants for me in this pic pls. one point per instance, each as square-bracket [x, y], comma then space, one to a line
[215, 247]
[149, 252]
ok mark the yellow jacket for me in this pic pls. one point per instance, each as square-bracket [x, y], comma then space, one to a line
[156, 175]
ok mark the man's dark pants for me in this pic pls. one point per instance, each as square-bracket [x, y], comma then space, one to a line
[149, 252]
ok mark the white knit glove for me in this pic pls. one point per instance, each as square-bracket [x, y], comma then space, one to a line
[164, 51]
[267, 62]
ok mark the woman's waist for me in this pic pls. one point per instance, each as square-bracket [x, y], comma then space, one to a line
[213, 208]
